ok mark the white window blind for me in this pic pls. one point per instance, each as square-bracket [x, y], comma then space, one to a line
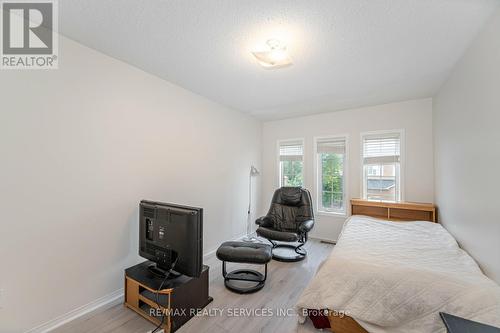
[382, 166]
[330, 156]
[382, 149]
[333, 146]
[291, 151]
[291, 155]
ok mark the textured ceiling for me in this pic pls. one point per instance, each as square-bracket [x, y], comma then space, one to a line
[346, 53]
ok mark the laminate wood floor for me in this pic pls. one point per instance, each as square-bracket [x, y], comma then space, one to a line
[285, 283]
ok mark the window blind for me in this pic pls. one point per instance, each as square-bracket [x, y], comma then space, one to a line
[332, 146]
[382, 149]
[291, 151]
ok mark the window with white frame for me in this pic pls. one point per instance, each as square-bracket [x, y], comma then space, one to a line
[291, 163]
[382, 166]
[330, 164]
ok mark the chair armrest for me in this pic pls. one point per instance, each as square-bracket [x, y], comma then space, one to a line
[264, 221]
[306, 226]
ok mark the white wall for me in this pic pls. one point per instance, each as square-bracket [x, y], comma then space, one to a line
[467, 150]
[79, 148]
[415, 117]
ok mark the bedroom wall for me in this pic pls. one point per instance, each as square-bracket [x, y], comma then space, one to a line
[467, 150]
[415, 117]
[80, 147]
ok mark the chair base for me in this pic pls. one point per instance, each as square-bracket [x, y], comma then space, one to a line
[298, 253]
[248, 275]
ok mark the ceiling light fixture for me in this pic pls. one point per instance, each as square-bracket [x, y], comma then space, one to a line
[275, 57]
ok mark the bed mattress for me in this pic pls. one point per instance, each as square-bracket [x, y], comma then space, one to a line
[397, 277]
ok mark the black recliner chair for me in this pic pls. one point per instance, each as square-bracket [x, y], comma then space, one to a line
[289, 219]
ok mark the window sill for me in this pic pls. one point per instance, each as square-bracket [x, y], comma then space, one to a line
[332, 214]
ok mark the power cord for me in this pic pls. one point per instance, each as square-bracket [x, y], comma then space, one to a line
[158, 296]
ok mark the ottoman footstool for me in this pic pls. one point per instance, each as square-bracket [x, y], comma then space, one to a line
[244, 253]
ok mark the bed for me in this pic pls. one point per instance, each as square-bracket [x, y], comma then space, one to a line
[394, 274]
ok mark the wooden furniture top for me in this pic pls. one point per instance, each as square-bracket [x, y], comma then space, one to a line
[403, 205]
[395, 211]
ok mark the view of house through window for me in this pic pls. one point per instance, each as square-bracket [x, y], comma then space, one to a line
[291, 163]
[330, 155]
[382, 166]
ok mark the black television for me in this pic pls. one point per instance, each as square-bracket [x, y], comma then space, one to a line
[169, 234]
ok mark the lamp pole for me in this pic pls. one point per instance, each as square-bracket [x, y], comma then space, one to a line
[249, 238]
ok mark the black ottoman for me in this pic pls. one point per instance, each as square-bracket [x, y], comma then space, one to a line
[248, 253]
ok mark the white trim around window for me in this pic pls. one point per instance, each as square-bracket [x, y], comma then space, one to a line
[345, 186]
[402, 158]
[279, 143]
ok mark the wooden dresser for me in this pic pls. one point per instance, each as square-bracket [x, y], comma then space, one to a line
[395, 211]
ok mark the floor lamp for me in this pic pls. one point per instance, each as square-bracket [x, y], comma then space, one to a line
[248, 238]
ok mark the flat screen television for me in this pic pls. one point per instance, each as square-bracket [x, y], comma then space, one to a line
[171, 233]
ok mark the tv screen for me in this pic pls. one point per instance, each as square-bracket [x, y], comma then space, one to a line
[172, 233]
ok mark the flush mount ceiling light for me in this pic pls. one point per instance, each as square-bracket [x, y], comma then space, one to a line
[276, 55]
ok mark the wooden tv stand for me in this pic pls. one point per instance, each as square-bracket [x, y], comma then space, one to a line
[179, 298]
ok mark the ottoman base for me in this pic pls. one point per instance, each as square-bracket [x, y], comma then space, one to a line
[247, 275]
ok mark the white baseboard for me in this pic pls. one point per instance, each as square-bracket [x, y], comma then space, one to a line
[105, 302]
[102, 303]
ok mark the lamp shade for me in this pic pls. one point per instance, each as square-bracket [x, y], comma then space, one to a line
[254, 171]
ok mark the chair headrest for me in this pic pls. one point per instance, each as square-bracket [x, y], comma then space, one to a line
[290, 196]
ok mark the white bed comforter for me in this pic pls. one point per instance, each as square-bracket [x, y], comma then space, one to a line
[397, 277]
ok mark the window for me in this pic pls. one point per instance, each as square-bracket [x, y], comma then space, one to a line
[291, 156]
[330, 164]
[382, 166]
